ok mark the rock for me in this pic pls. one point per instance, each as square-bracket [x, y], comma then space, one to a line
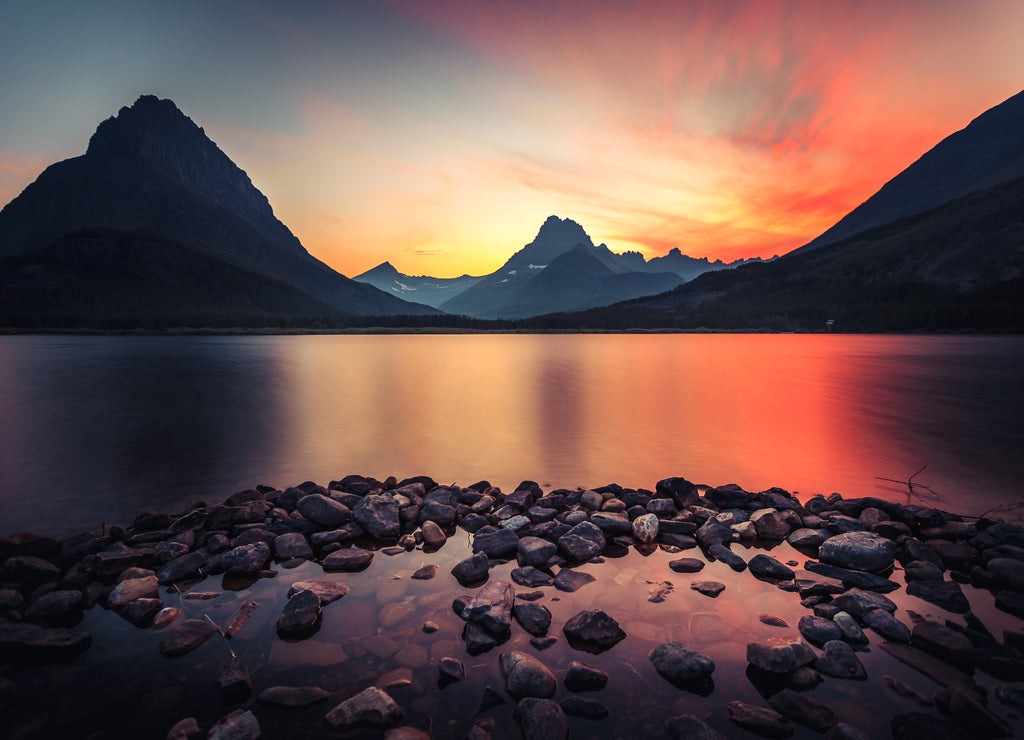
[324, 510]
[326, 591]
[535, 550]
[425, 573]
[527, 676]
[727, 556]
[450, 670]
[234, 683]
[301, 616]
[688, 727]
[472, 570]
[292, 545]
[803, 711]
[186, 637]
[708, 588]
[534, 618]
[569, 580]
[937, 670]
[37, 644]
[682, 492]
[966, 707]
[30, 570]
[531, 577]
[1010, 602]
[246, 561]
[770, 524]
[865, 551]
[680, 665]
[645, 528]
[496, 542]
[759, 720]
[58, 608]
[406, 733]
[241, 724]
[183, 567]
[583, 542]
[433, 535]
[165, 616]
[141, 612]
[906, 691]
[541, 719]
[491, 607]
[686, 565]
[765, 566]
[582, 677]
[859, 603]
[593, 631]
[779, 654]
[578, 706]
[818, 631]
[371, 706]
[713, 533]
[839, 661]
[186, 729]
[851, 630]
[852, 578]
[612, 523]
[293, 697]
[1008, 572]
[887, 625]
[378, 514]
[133, 588]
[944, 594]
[806, 537]
[349, 559]
[772, 621]
[438, 512]
[944, 643]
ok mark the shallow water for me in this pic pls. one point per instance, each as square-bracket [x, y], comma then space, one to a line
[99, 428]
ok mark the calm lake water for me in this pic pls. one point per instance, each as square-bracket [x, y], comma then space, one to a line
[99, 428]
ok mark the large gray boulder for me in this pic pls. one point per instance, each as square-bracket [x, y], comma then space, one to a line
[865, 551]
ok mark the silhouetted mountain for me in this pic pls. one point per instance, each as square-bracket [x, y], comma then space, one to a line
[152, 176]
[429, 291]
[990, 150]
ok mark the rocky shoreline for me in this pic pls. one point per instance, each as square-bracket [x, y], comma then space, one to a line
[852, 547]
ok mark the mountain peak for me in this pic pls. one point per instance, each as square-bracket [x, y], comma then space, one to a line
[562, 230]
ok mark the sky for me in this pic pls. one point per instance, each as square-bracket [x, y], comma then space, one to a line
[439, 134]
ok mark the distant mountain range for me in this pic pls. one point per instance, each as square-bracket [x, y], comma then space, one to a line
[560, 270]
[154, 225]
[938, 247]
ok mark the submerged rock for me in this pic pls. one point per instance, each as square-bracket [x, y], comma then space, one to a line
[582, 677]
[293, 697]
[241, 724]
[839, 661]
[301, 616]
[759, 720]
[593, 631]
[20, 641]
[371, 706]
[186, 637]
[779, 654]
[527, 676]
[678, 664]
[541, 719]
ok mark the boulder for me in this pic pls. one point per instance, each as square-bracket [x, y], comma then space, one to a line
[531, 577]
[708, 588]
[326, 591]
[765, 566]
[62, 607]
[859, 602]
[534, 618]
[183, 567]
[472, 570]
[779, 654]
[688, 727]
[944, 594]
[133, 588]
[535, 550]
[241, 724]
[593, 631]
[838, 660]
[433, 535]
[541, 719]
[496, 542]
[807, 712]
[292, 545]
[246, 561]
[583, 542]
[301, 616]
[491, 607]
[570, 580]
[324, 510]
[371, 706]
[864, 551]
[450, 670]
[818, 631]
[725, 555]
[612, 523]
[349, 559]
[944, 643]
[885, 624]
[527, 676]
[680, 665]
[686, 565]
[759, 720]
[378, 514]
[583, 677]
[770, 524]
[681, 491]
[645, 528]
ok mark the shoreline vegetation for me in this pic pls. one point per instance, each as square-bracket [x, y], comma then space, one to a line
[855, 552]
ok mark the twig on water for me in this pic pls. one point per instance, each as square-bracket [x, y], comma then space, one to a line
[909, 483]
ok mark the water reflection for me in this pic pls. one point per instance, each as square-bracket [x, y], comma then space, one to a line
[100, 428]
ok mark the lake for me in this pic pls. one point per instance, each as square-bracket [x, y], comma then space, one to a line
[97, 429]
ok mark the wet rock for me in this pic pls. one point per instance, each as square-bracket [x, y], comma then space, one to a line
[798, 708]
[186, 637]
[234, 683]
[324, 510]
[713, 533]
[1010, 602]
[852, 632]
[583, 542]
[569, 580]
[887, 625]
[246, 561]
[406, 733]
[772, 621]
[535, 550]
[378, 514]
[965, 707]
[371, 706]
[165, 616]
[472, 570]
[818, 631]
[929, 665]
[30, 570]
[708, 588]
[1007, 572]
[133, 588]
[491, 607]
[183, 567]
[349, 559]
[534, 618]
[241, 724]
[853, 578]
[922, 570]
[858, 602]
[759, 720]
[765, 566]
[32, 642]
[839, 661]
[682, 492]
[293, 697]
[292, 545]
[944, 594]
[593, 631]
[543, 643]
[450, 670]
[582, 677]
[326, 591]
[725, 555]
[864, 551]
[680, 665]
[612, 523]
[686, 565]
[301, 616]
[807, 538]
[186, 729]
[531, 577]
[578, 706]
[433, 535]
[56, 608]
[906, 691]
[779, 654]
[944, 643]
[645, 528]
[142, 612]
[541, 719]
[527, 676]
[425, 573]
[495, 542]
[770, 524]
[438, 512]
[688, 727]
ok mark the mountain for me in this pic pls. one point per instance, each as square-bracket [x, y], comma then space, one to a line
[989, 151]
[956, 265]
[429, 291]
[151, 176]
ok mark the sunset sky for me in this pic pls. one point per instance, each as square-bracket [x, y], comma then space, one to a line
[440, 134]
